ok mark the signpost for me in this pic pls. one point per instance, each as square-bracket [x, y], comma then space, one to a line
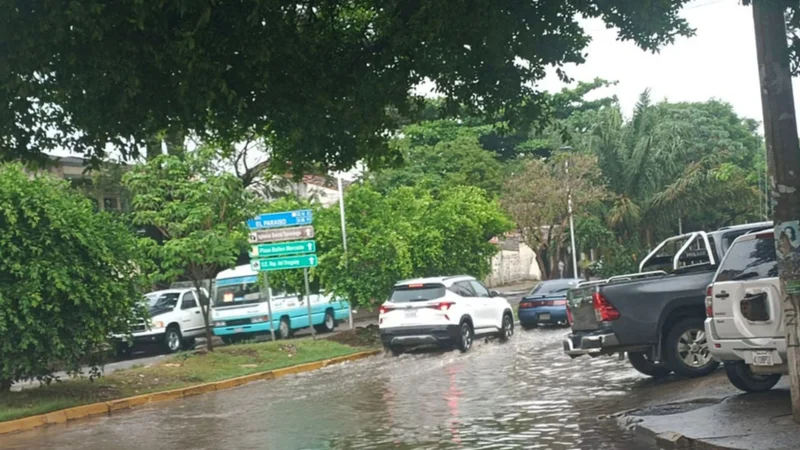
[287, 262]
[289, 248]
[281, 235]
[272, 233]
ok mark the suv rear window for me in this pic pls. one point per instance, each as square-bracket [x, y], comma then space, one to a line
[748, 260]
[417, 293]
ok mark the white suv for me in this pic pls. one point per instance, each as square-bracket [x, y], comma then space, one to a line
[744, 327]
[442, 311]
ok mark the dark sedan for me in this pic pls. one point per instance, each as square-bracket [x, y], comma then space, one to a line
[546, 303]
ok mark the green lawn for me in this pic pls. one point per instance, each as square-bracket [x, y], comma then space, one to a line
[179, 371]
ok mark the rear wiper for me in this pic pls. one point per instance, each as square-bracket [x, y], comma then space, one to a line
[745, 276]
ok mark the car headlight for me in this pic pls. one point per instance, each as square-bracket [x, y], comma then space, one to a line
[219, 324]
[259, 319]
[158, 324]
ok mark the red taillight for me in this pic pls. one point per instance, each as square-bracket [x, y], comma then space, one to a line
[569, 315]
[560, 302]
[603, 310]
[384, 309]
[709, 302]
[442, 306]
[525, 305]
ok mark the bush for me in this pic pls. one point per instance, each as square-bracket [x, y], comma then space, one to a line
[67, 277]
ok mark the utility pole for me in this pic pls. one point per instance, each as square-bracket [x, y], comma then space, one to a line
[783, 160]
[571, 223]
[344, 238]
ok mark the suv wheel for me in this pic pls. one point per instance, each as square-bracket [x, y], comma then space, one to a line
[642, 363]
[740, 375]
[173, 340]
[466, 336]
[687, 350]
[507, 329]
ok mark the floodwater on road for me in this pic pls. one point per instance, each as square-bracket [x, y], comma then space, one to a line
[522, 394]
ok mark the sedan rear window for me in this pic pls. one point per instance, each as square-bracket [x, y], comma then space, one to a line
[553, 286]
[416, 293]
[749, 260]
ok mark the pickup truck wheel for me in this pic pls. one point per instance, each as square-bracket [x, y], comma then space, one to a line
[466, 336]
[642, 363]
[328, 325]
[687, 349]
[390, 350]
[173, 341]
[740, 375]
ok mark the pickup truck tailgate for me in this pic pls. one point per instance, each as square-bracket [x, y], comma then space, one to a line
[581, 307]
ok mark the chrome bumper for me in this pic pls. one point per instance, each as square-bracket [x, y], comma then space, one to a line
[592, 344]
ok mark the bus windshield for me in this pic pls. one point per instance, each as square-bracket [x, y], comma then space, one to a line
[237, 291]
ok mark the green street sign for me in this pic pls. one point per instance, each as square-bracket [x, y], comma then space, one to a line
[288, 262]
[283, 248]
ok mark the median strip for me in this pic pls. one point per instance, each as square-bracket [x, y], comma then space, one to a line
[183, 375]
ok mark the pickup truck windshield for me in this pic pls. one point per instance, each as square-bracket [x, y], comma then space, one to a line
[167, 300]
[750, 259]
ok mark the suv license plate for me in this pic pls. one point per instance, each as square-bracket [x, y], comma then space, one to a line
[411, 313]
[762, 359]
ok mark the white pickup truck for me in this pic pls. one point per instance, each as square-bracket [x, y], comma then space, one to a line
[744, 324]
[175, 320]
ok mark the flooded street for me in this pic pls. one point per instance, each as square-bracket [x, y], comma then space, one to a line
[523, 394]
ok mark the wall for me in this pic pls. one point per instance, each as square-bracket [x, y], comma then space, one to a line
[513, 263]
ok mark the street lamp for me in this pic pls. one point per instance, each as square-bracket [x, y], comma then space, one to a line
[571, 222]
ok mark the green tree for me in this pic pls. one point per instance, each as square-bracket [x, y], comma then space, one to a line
[405, 233]
[436, 164]
[322, 80]
[199, 212]
[536, 199]
[68, 277]
[688, 162]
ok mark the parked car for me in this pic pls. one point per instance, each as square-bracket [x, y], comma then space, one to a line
[546, 304]
[442, 311]
[656, 317]
[745, 314]
[176, 319]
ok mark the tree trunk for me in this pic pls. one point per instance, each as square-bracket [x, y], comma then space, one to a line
[5, 386]
[540, 262]
[783, 160]
[205, 309]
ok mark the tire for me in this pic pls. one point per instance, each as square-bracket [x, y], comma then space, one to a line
[466, 337]
[740, 375]
[284, 329]
[529, 326]
[686, 349]
[641, 362]
[507, 329]
[173, 340]
[228, 340]
[394, 351]
[328, 324]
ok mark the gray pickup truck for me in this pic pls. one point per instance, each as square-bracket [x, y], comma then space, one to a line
[656, 315]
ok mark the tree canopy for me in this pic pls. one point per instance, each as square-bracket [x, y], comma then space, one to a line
[319, 79]
[68, 277]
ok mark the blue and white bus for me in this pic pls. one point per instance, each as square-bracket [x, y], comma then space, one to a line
[240, 312]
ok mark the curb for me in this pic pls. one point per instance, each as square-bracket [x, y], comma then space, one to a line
[668, 440]
[107, 408]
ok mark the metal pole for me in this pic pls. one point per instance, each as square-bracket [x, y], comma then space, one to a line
[308, 303]
[571, 224]
[265, 285]
[344, 240]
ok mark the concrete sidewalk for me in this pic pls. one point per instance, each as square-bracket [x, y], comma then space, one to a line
[757, 421]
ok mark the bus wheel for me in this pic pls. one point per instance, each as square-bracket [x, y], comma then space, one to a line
[284, 330]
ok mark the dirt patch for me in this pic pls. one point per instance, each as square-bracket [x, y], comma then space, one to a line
[368, 336]
[236, 350]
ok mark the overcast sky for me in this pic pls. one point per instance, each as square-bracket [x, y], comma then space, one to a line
[719, 62]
